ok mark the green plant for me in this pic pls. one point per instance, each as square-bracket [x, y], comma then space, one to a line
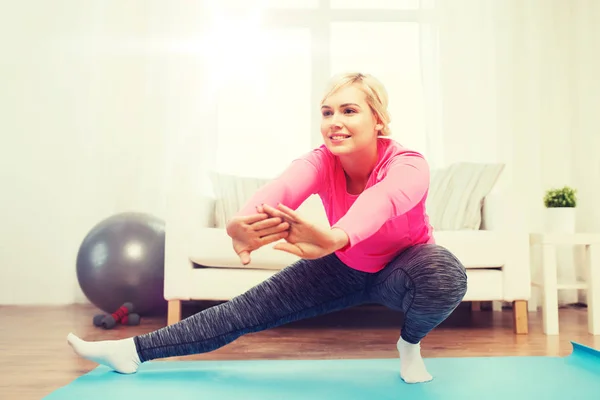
[562, 197]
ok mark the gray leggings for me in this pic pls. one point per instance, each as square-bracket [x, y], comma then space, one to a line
[426, 282]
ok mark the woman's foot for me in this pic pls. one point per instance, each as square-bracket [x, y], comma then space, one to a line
[412, 366]
[120, 355]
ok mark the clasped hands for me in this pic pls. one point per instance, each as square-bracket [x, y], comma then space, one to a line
[302, 238]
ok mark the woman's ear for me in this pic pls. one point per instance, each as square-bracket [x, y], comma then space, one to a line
[378, 127]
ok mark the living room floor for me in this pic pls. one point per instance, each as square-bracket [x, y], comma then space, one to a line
[36, 359]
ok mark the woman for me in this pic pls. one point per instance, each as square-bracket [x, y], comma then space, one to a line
[379, 249]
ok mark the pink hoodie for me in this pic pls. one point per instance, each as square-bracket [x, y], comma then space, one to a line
[386, 218]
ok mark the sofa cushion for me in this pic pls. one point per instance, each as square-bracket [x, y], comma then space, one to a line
[211, 247]
[232, 193]
[456, 195]
[475, 249]
[454, 201]
[225, 284]
[484, 284]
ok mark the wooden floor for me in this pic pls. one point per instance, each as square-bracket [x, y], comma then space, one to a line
[36, 359]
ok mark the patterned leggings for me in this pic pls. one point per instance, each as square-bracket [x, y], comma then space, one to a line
[425, 281]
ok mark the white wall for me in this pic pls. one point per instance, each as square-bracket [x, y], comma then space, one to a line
[566, 102]
[585, 42]
[86, 114]
[520, 86]
[90, 106]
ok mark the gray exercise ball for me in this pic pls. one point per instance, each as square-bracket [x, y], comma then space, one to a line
[122, 260]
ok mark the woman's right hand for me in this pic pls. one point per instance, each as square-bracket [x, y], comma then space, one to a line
[249, 233]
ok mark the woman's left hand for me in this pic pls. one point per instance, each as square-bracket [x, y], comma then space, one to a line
[306, 240]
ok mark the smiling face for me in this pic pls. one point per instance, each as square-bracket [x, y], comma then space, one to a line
[348, 124]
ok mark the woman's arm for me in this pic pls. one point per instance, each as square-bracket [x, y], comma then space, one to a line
[403, 187]
[303, 177]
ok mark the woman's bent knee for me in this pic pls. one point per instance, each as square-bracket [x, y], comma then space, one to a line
[423, 276]
[435, 272]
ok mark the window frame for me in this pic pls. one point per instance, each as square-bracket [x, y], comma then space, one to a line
[318, 21]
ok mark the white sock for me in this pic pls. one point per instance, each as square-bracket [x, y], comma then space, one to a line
[412, 366]
[120, 355]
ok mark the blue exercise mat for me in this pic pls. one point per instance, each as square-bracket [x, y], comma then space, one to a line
[576, 376]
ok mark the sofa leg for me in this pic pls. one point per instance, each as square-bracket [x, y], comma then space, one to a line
[520, 317]
[174, 313]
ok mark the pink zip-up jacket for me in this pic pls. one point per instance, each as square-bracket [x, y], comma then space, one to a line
[386, 218]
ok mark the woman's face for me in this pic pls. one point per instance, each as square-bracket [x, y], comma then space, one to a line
[347, 123]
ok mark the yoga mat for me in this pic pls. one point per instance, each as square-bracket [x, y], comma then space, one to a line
[576, 376]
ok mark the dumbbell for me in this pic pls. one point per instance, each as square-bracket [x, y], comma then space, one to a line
[109, 321]
[98, 318]
[129, 319]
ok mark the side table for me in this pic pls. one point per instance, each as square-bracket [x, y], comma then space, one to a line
[550, 286]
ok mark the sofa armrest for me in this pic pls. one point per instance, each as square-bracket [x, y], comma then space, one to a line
[186, 214]
[517, 268]
[494, 211]
[500, 213]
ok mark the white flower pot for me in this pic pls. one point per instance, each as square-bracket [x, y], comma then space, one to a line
[560, 220]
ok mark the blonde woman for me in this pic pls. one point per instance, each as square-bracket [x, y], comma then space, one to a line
[380, 247]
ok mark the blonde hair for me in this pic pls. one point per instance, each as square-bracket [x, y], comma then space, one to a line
[377, 97]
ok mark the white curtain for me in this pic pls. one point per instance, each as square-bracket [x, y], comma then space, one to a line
[121, 103]
[510, 81]
[519, 84]
[507, 81]
[266, 69]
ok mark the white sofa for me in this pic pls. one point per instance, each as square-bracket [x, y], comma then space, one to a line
[200, 263]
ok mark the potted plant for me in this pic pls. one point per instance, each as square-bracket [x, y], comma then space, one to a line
[560, 209]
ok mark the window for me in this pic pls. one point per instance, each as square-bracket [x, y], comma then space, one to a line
[375, 4]
[390, 52]
[267, 66]
[264, 103]
[262, 4]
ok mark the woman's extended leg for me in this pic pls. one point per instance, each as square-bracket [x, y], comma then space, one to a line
[427, 282]
[305, 289]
